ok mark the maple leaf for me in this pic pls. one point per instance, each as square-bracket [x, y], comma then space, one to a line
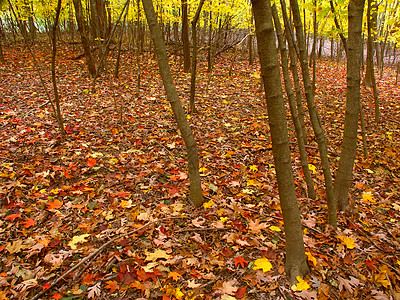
[112, 285]
[253, 168]
[381, 279]
[94, 290]
[126, 204]
[229, 287]
[256, 226]
[208, 204]
[138, 285]
[347, 241]
[13, 217]
[78, 239]
[174, 275]
[368, 197]
[300, 285]
[29, 222]
[91, 162]
[263, 264]
[349, 284]
[240, 260]
[312, 168]
[15, 246]
[192, 284]
[54, 204]
[159, 253]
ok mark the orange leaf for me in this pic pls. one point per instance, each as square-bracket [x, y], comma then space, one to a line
[88, 278]
[46, 286]
[54, 204]
[174, 275]
[91, 162]
[67, 175]
[240, 260]
[56, 296]
[112, 285]
[29, 222]
[13, 217]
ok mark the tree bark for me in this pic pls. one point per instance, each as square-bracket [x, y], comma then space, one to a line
[354, 56]
[292, 105]
[84, 39]
[314, 116]
[185, 37]
[58, 114]
[296, 264]
[194, 58]
[372, 21]
[195, 195]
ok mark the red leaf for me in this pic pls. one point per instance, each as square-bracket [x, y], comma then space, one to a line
[240, 260]
[91, 162]
[240, 293]
[56, 296]
[46, 286]
[13, 217]
[67, 175]
[29, 222]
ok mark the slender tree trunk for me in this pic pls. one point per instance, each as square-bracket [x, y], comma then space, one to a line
[120, 42]
[370, 60]
[292, 105]
[59, 117]
[195, 195]
[314, 116]
[138, 68]
[84, 39]
[371, 20]
[339, 29]
[295, 73]
[296, 264]
[349, 146]
[194, 59]
[185, 37]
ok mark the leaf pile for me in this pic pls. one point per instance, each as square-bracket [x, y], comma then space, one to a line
[106, 208]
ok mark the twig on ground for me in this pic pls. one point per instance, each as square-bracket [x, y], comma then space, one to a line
[98, 251]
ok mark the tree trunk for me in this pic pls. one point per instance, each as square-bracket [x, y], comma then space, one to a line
[195, 195]
[296, 264]
[292, 105]
[85, 42]
[185, 37]
[295, 73]
[194, 59]
[59, 117]
[314, 116]
[349, 146]
[372, 20]
[339, 29]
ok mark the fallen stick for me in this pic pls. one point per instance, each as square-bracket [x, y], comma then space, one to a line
[98, 251]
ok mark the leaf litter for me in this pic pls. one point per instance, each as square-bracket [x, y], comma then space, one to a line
[104, 214]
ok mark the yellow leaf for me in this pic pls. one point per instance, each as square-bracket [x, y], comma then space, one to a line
[398, 262]
[368, 197]
[381, 279]
[274, 228]
[203, 169]
[78, 239]
[157, 254]
[208, 204]
[253, 168]
[126, 204]
[262, 263]
[225, 102]
[347, 241]
[301, 285]
[179, 294]
[223, 219]
[312, 168]
[311, 258]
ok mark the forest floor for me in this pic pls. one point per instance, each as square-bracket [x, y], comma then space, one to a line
[108, 206]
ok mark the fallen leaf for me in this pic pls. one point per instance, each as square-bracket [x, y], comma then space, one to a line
[263, 264]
